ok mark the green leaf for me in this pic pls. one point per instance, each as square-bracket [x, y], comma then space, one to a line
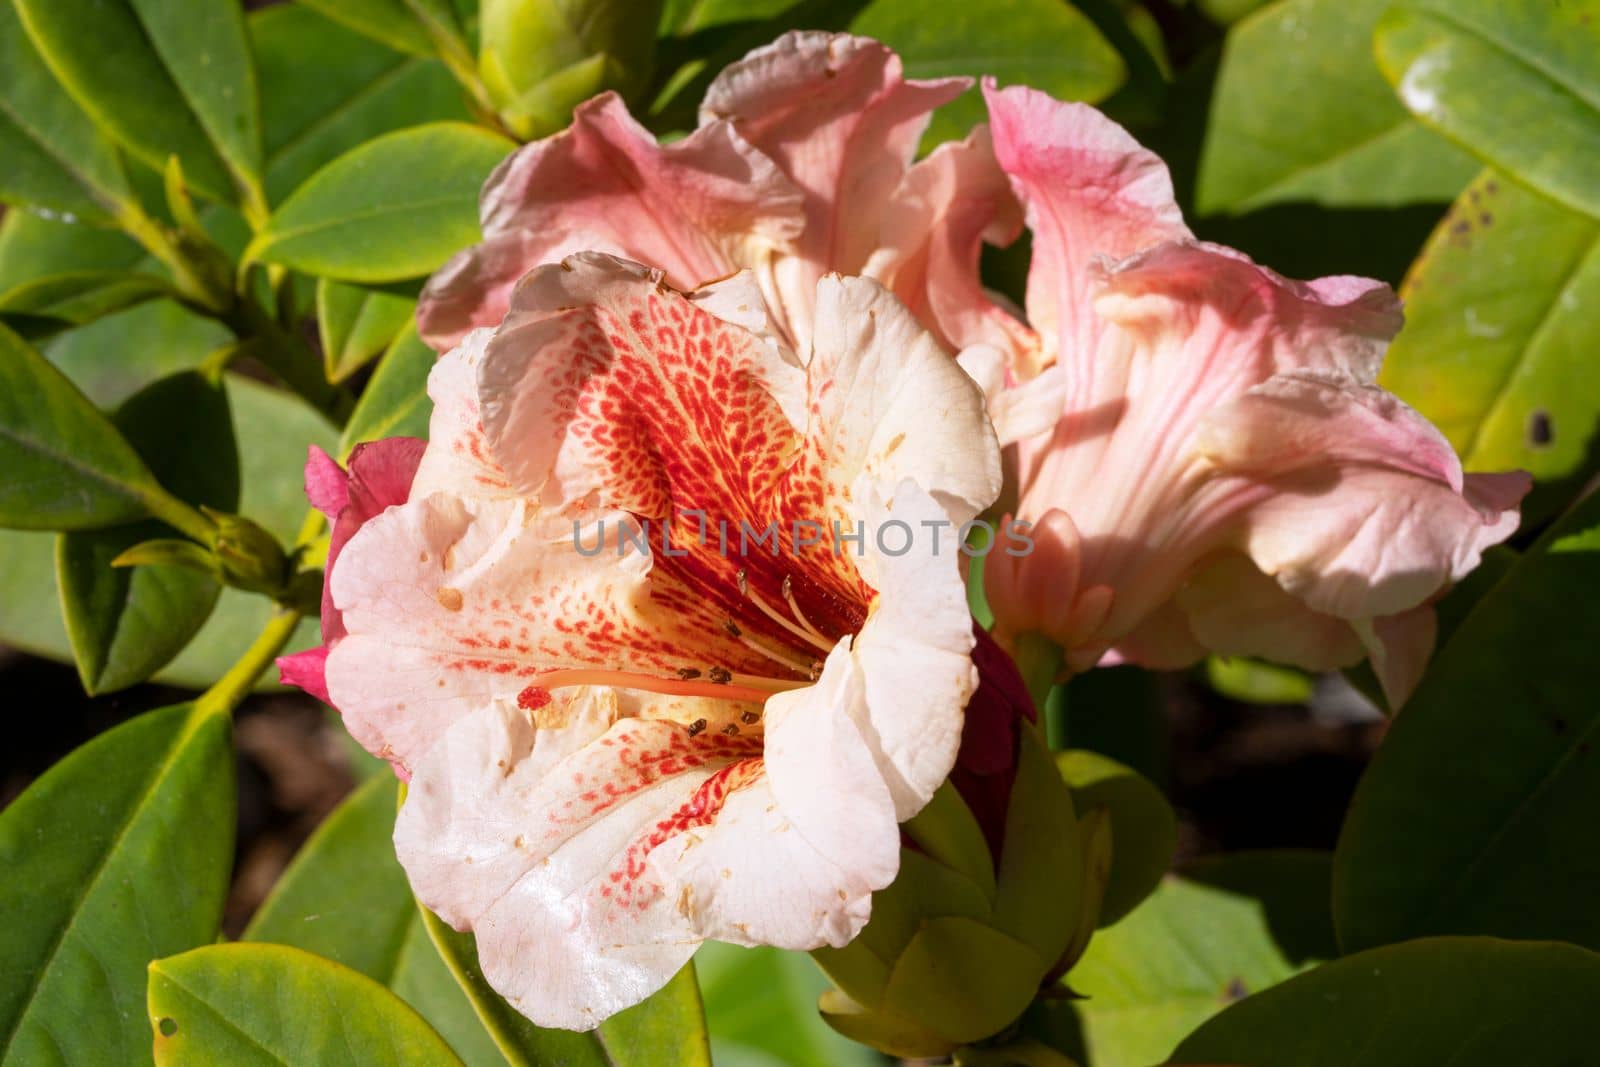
[345, 897]
[671, 1019]
[1500, 312]
[1256, 682]
[1466, 1002]
[1476, 815]
[125, 623]
[33, 247]
[778, 1028]
[273, 1005]
[1356, 148]
[356, 325]
[1144, 830]
[56, 159]
[395, 402]
[67, 467]
[388, 21]
[395, 208]
[160, 78]
[1517, 85]
[1047, 44]
[110, 360]
[120, 853]
[326, 89]
[75, 299]
[1040, 880]
[1223, 929]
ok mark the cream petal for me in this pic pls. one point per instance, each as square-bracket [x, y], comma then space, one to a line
[458, 459]
[891, 404]
[915, 650]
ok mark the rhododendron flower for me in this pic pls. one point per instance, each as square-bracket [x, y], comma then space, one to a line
[1223, 473]
[616, 755]
[799, 167]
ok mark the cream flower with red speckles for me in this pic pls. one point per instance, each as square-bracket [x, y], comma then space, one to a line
[614, 755]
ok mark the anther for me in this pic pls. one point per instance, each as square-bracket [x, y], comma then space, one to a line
[697, 727]
[732, 628]
[730, 730]
[721, 675]
[688, 674]
[750, 718]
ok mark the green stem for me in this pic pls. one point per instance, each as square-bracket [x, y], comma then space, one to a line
[1039, 660]
[234, 686]
[180, 516]
[290, 359]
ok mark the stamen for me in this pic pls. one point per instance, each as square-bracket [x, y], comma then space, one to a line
[777, 654]
[800, 616]
[721, 675]
[750, 718]
[697, 727]
[650, 683]
[730, 730]
[806, 632]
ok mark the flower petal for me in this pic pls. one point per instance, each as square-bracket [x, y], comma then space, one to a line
[1090, 190]
[946, 208]
[915, 650]
[697, 209]
[541, 841]
[325, 482]
[1365, 517]
[306, 670]
[835, 114]
[381, 473]
[458, 459]
[453, 602]
[793, 860]
[1235, 610]
[892, 405]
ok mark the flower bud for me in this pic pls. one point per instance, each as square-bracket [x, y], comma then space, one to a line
[541, 58]
[250, 558]
[989, 899]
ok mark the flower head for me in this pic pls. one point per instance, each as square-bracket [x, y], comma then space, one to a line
[1222, 473]
[616, 754]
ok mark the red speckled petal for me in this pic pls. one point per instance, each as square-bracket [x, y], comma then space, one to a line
[451, 603]
[543, 842]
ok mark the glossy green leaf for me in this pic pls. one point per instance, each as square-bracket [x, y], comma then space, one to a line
[272, 1005]
[1226, 928]
[389, 21]
[1047, 44]
[356, 325]
[1466, 1002]
[1476, 815]
[56, 159]
[778, 1028]
[1144, 830]
[326, 89]
[125, 623]
[1500, 313]
[395, 208]
[667, 1028]
[34, 247]
[110, 360]
[395, 402]
[161, 79]
[1301, 113]
[78, 298]
[1039, 884]
[119, 854]
[1516, 84]
[345, 898]
[67, 467]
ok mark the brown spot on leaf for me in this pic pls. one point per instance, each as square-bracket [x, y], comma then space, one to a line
[1541, 431]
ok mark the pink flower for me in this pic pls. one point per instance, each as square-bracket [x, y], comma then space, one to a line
[379, 477]
[799, 168]
[1223, 473]
[616, 755]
